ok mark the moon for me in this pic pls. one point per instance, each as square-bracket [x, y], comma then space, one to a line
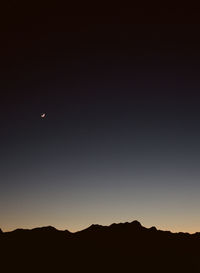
[43, 115]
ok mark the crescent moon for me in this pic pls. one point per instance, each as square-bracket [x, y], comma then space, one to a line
[43, 115]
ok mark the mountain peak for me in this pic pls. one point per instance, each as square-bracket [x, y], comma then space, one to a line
[153, 228]
[94, 227]
[47, 228]
[136, 224]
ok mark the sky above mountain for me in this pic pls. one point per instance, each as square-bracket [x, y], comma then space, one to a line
[120, 139]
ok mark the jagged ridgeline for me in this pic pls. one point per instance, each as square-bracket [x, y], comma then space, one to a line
[128, 247]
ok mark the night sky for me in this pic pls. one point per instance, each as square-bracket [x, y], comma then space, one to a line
[121, 136]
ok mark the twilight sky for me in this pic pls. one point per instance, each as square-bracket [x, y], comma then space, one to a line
[121, 137]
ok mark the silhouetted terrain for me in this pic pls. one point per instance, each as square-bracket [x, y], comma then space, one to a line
[124, 247]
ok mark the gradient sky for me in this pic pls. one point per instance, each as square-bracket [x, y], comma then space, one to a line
[121, 139]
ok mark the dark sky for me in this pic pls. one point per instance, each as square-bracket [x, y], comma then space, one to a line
[121, 137]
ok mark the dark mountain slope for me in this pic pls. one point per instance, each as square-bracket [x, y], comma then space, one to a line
[127, 247]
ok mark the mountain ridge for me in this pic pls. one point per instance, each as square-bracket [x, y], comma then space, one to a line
[94, 227]
[122, 247]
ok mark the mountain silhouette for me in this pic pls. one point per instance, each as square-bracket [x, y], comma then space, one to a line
[123, 247]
